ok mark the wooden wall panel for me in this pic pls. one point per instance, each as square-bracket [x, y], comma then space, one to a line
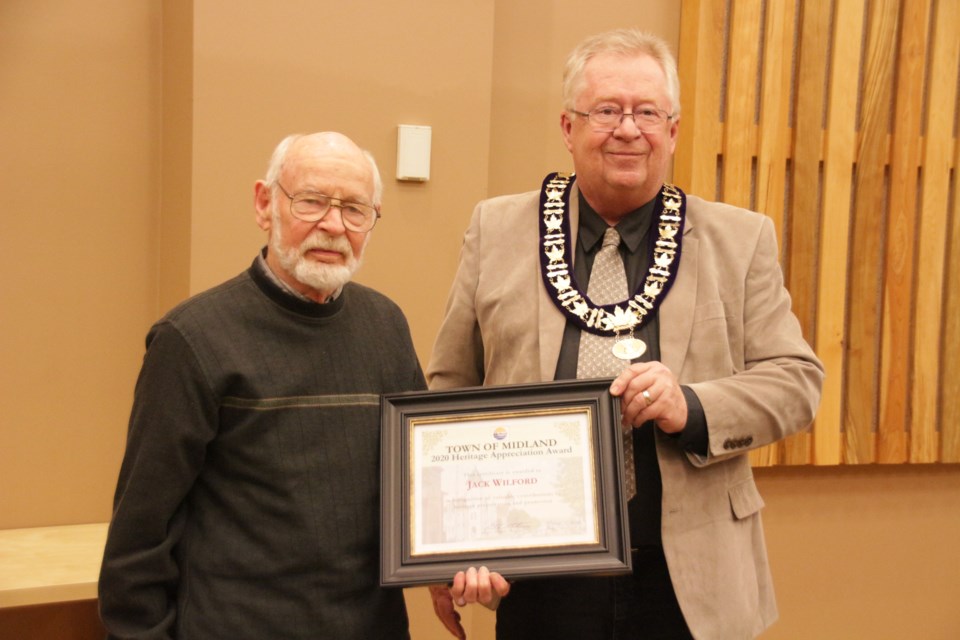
[700, 66]
[805, 190]
[838, 166]
[806, 182]
[900, 264]
[773, 139]
[861, 375]
[853, 154]
[950, 378]
[933, 225]
[739, 139]
[774, 118]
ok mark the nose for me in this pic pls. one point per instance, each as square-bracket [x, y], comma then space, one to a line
[624, 130]
[333, 225]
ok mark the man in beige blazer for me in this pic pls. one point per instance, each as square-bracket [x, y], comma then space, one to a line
[724, 367]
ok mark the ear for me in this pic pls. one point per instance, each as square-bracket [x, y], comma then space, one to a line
[674, 130]
[261, 203]
[566, 125]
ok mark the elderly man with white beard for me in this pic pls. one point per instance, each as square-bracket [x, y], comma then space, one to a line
[247, 502]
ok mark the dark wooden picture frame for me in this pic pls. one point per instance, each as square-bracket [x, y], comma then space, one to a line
[401, 413]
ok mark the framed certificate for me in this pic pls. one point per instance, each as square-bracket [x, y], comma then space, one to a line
[524, 479]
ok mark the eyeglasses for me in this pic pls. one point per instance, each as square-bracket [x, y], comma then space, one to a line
[311, 206]
[607, 119]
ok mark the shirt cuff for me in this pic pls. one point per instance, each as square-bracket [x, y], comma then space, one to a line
[694, 437]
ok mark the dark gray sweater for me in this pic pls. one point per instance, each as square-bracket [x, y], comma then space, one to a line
[247, 503]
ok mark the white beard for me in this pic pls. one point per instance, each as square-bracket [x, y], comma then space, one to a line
[316, 275]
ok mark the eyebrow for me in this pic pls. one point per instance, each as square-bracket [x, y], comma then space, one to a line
[641, 103]
[311, 189]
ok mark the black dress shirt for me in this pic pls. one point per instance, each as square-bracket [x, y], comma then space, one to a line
[635, 249]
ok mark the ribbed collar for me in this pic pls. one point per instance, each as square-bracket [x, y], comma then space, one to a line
[266, 281]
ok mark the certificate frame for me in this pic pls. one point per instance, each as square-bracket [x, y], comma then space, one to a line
[594, 421]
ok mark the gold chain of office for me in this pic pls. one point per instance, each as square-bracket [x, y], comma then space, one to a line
[628, 314]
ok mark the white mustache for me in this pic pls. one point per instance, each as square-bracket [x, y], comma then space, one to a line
[319, 240]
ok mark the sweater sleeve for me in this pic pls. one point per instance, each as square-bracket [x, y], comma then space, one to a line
[173, 419]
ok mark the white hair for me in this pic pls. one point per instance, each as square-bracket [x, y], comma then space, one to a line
[624, 42]
[279, 157]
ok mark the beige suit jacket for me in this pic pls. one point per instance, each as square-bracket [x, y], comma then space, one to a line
[726, 331]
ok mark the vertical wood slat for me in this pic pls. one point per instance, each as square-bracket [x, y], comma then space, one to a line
[933, 227]
[950, 380]
[774, 127]
[700, 62]
[773, 140]
[901, 231]
[866, 252]
[807, 150]
[839, 156]
[738, 146]
[804, 214]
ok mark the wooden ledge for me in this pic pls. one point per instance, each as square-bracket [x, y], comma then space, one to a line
[45, 565]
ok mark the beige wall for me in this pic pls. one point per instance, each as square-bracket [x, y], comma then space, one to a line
[79, 160]
[864, 553]
[132, 132]
[531, 42]
[304, 66]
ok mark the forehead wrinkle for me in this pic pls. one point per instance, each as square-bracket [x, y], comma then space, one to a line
[607, 70]
[332, 175]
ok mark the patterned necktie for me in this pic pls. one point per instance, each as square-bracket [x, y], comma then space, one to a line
[608, 284]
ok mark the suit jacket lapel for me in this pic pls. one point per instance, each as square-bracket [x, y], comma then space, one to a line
[676, 312]
[551, 320]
